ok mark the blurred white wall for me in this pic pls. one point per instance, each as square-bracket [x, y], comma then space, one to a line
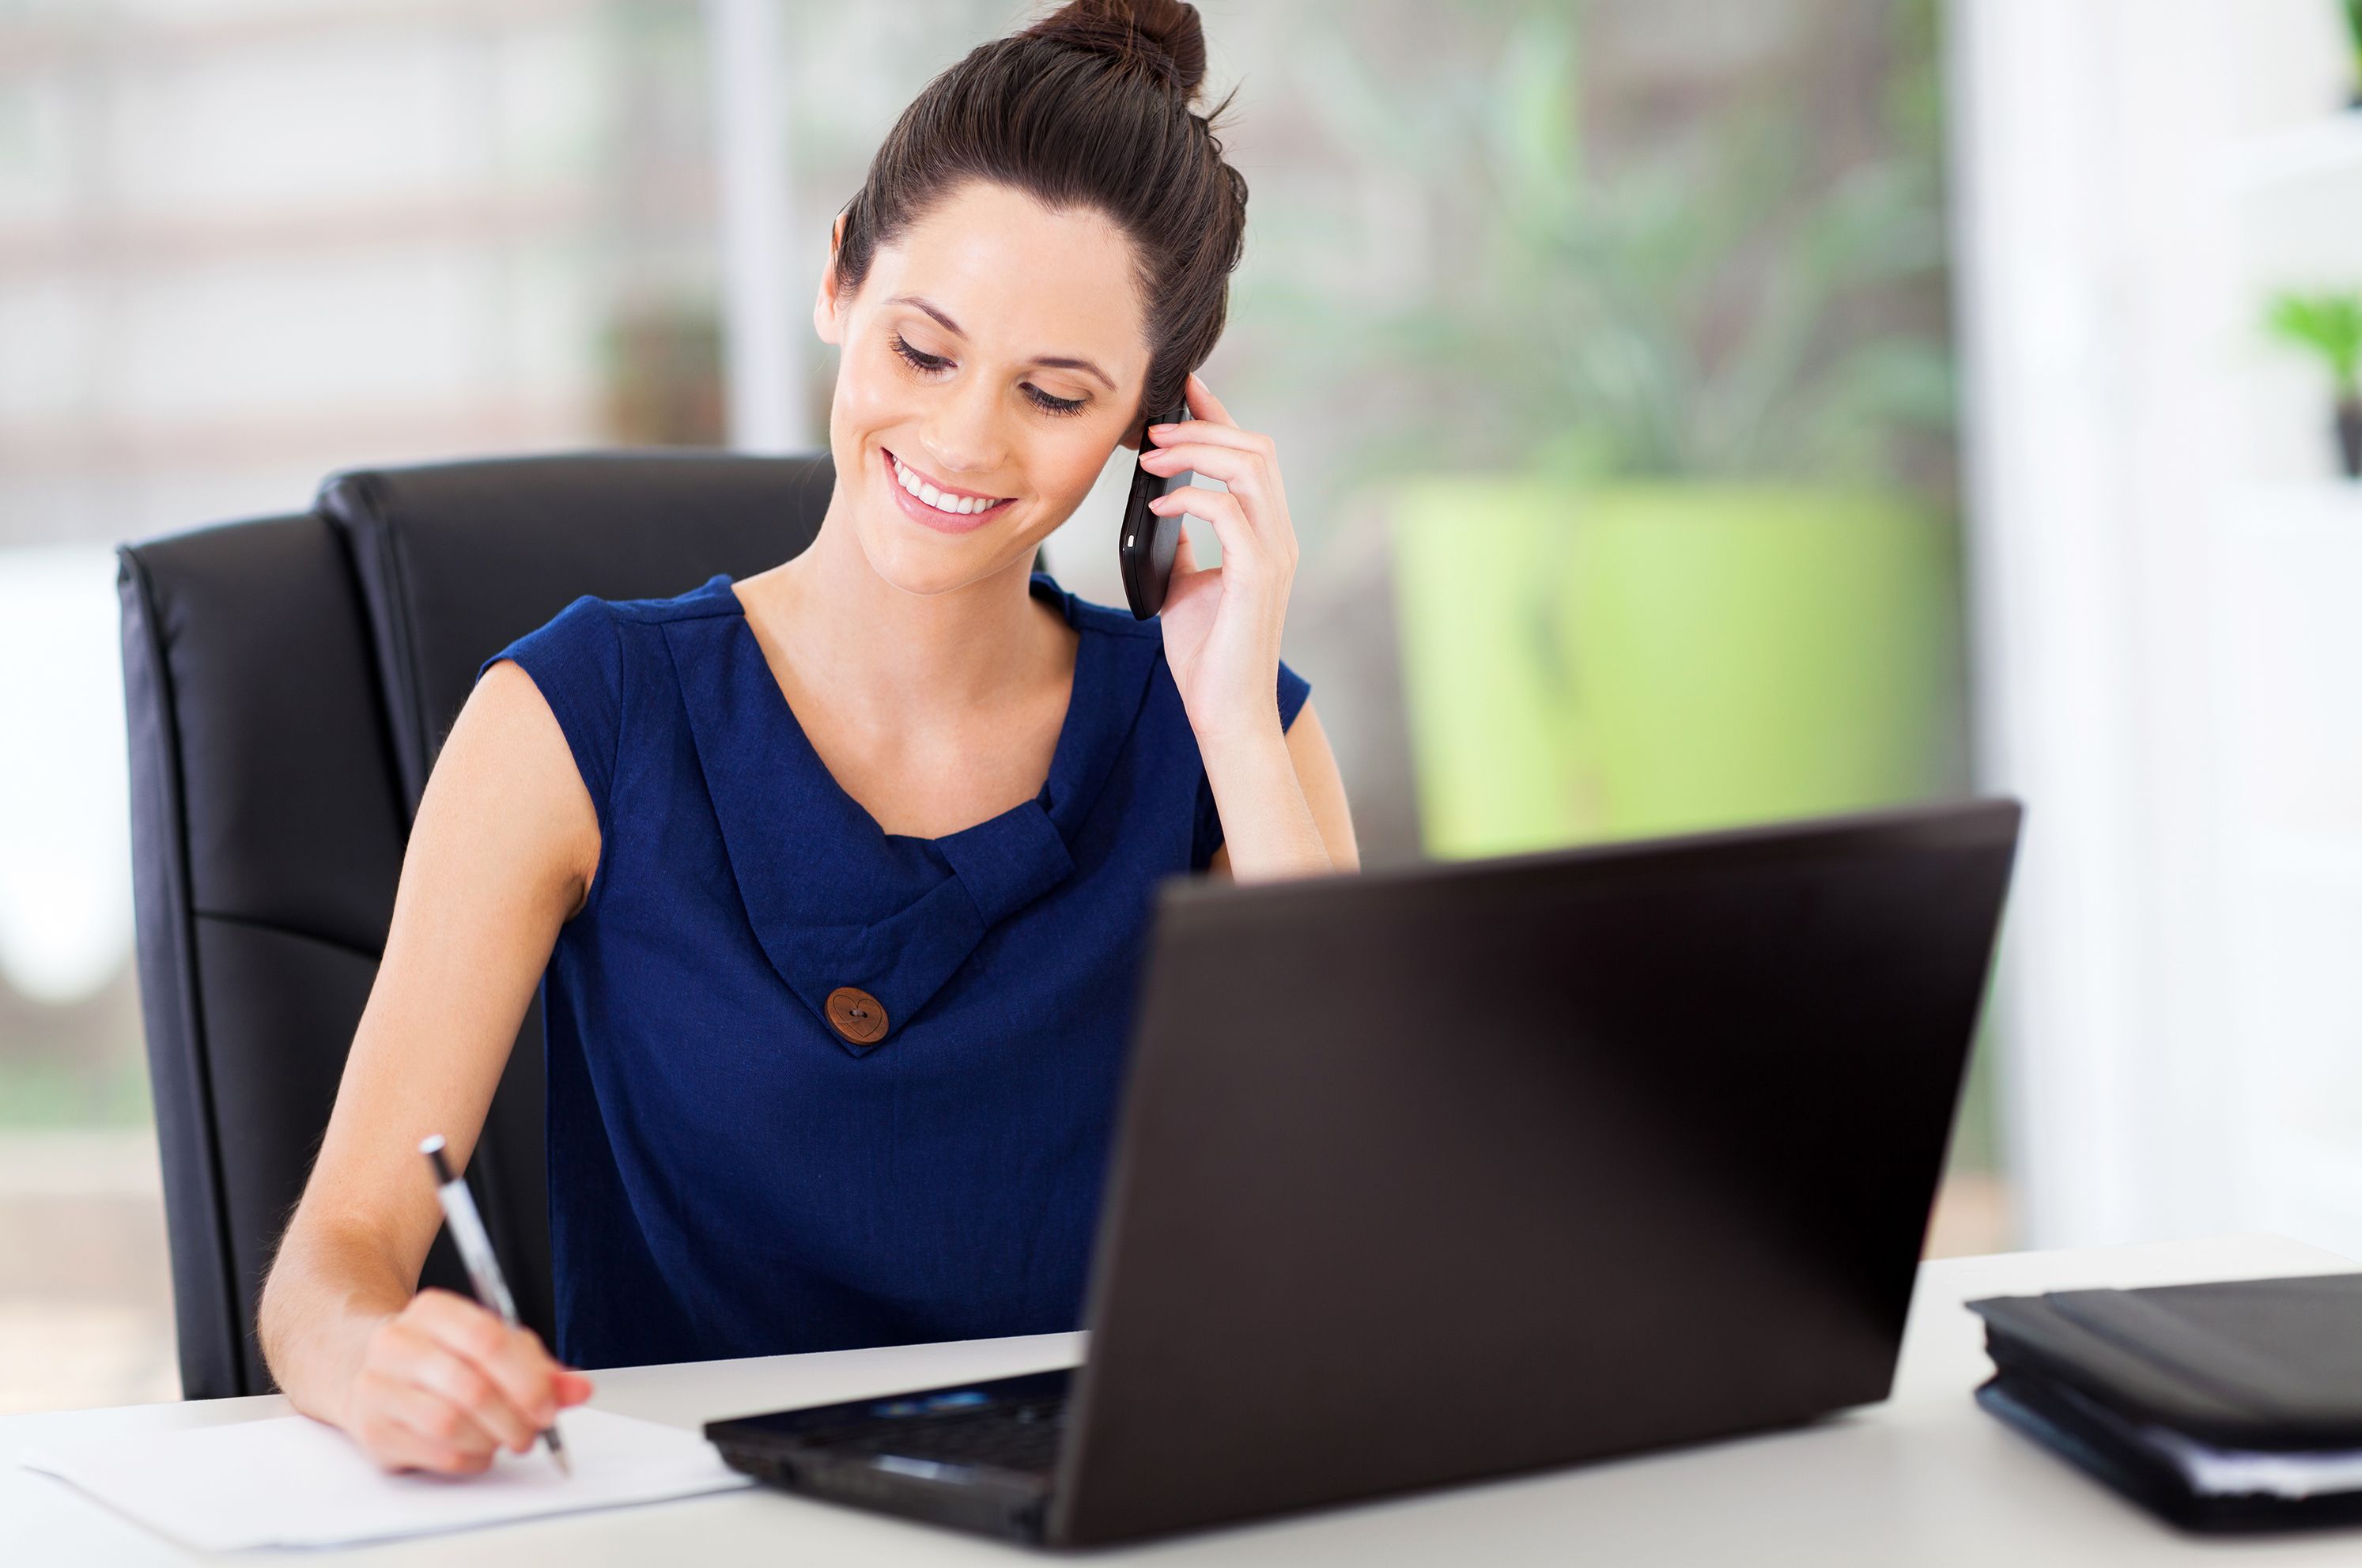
[2167, 671]
[245, 242]
[65, 891]
[764, 320]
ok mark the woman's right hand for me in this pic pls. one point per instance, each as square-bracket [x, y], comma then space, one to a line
[445, 1384]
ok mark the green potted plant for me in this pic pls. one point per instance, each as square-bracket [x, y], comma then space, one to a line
[2330, 326]
[1682, 550]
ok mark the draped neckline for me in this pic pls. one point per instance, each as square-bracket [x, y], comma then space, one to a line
[833, 899]
[1061, 750]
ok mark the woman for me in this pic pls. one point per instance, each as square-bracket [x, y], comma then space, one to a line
[835, 877]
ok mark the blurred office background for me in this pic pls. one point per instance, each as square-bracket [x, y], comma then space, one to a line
[1694, 412]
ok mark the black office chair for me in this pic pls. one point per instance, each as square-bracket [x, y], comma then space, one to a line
[289, 682]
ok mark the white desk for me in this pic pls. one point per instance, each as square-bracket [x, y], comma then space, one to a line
[1924, 1479]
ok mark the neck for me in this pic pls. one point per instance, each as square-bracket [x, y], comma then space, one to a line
[877, 649]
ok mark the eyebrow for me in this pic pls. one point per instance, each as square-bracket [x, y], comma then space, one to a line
[948, 325]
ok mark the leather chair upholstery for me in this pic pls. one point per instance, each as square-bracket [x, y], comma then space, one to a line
[289, 681]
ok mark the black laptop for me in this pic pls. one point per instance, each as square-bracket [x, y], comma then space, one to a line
[1463, 1169]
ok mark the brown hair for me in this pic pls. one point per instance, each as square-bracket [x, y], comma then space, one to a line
[1086, 108]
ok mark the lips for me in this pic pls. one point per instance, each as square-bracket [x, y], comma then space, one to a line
[919, 512]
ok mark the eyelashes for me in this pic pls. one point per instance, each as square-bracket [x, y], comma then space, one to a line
[929, 364]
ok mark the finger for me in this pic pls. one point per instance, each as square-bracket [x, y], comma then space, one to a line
[522, 1372]
[459, 1382]
[1239, 467]
[1265, 510]
[1240, 546]
[1184, 554]
[399, 1448]
[407, 1451]
[513, 1357]
[1202, 411]
[1164, 437]
[445, 1433]
[573, 1387]
[1203, 403]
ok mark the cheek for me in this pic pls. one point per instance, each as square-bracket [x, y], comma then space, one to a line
[864, 394]
[1068, 463]
[1070, 471]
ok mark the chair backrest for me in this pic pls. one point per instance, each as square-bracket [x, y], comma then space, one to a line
[289, 681]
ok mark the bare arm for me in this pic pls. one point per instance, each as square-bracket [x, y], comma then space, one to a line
[502, 854]
[1284, 806]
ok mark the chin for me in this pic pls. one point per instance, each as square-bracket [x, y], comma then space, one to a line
[917, 559]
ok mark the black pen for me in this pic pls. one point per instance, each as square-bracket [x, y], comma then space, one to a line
[467, 1229]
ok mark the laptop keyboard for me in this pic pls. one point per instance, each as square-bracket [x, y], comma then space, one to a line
[1021, 1435]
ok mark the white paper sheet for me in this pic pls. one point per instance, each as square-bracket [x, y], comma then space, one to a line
[291, 1481]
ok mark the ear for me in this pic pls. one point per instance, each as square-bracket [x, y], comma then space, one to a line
[827, 320]
[1135, 433]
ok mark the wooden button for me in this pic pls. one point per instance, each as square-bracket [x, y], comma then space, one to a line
[857, 1015]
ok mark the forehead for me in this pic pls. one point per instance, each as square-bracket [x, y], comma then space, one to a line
[1021, 279]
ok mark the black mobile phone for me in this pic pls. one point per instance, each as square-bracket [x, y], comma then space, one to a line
[1149, 538]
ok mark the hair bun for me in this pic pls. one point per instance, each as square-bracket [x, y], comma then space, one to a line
[1164, 36]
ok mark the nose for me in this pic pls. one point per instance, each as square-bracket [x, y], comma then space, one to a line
[965, 439]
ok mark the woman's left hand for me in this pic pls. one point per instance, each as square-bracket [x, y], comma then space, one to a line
[1222, 624]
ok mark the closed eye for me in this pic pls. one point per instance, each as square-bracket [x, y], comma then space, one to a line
[926, 362]
[1054, 404]
[930, 364]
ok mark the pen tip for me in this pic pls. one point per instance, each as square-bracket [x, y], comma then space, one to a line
[558, 1452]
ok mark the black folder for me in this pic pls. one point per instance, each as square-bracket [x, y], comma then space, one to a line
[2234, 1405]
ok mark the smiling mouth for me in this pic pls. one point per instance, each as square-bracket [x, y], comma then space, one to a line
[951, 505]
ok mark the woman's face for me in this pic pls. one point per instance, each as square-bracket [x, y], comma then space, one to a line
[997, 349]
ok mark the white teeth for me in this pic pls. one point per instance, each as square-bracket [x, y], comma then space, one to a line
[959, 506]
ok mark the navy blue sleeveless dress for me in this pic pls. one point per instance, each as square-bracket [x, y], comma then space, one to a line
[730, 1173]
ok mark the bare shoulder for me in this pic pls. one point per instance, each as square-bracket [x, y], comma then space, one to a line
[506, 785]
[506, 708]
